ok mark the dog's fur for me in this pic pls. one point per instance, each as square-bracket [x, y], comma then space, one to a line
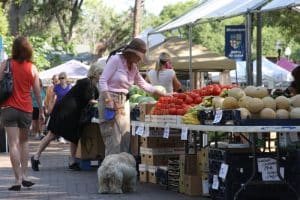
[117, 174]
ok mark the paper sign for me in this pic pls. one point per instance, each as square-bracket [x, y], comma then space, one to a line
[205, 187]
[223, 171]
[215, 184]
[147, 131]
[218, 116]
[268, 169]
[166, 131]
[140, 130]
[184, 133]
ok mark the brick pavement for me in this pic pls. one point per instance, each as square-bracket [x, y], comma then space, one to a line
[55, 181]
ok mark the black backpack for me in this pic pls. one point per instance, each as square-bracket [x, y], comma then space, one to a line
[6, 84]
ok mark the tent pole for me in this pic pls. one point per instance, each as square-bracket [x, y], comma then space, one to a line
[259, 50]
[249, 65]
[190, 58]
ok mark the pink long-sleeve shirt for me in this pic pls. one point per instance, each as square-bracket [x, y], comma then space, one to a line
[116, 77]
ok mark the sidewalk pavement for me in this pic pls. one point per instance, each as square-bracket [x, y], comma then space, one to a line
[56, 181]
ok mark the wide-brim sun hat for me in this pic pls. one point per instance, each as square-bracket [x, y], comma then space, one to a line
[138, 47]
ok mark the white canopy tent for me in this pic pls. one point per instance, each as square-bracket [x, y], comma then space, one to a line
[212, 9]
[73, 68]
[280, 4]
[272, 73]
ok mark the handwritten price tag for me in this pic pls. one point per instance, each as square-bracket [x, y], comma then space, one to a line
[140, 130]
[223, 171]
[215, 184]
[133, 130]
[184, 133]
[218, 116]
[166, 131]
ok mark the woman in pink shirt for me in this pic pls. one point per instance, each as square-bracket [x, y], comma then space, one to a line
[119, 74]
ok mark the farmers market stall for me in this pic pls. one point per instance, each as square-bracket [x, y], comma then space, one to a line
[237, 142]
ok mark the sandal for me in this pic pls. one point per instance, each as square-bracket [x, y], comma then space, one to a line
[75, 166]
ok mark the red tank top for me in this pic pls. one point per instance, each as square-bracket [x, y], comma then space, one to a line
[23, 81]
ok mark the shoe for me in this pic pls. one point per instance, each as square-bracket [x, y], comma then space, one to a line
[35, 164]
[15, 188]
[27, 183]
[75, 166]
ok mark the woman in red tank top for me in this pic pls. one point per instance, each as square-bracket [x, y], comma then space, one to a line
[17, 110]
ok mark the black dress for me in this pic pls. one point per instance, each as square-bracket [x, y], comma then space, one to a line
[64, 120]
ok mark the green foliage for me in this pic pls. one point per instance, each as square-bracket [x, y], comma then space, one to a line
[40, 52]
[3, 23]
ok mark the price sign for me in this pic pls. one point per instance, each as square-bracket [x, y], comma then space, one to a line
[223, 171]
[218, 116]
[166, 131]
[140, 130]
[215, 184]
[184, 133]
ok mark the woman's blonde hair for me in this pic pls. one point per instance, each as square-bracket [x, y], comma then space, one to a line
[94, 71]
[162, 59]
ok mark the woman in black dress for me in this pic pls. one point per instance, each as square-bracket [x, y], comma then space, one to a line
[64, 119]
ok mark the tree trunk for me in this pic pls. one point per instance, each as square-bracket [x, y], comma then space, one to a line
[137, 17]
[17, 12]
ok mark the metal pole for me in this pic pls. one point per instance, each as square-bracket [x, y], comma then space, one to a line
[259, 50]
[190, 58]
[249, 66]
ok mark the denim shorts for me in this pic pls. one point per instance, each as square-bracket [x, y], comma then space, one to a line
[12, 117]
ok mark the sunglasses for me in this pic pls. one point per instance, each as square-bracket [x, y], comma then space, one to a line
[60, 78]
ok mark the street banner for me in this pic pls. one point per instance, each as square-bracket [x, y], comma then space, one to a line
[235, 47]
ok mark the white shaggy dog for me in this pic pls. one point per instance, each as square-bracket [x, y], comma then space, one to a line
[117, 174]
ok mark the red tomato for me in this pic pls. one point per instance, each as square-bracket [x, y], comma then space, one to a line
[180, 112]
[194, 95]
[197, 100]
[189, 100]
[181, 96]
[217, 90]
[172, 111]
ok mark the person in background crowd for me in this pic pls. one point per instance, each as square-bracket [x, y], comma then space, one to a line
[164, 74]
[17, 110]
[59, 91]
[49, 93]
[64, 119]
[119, 74]
[295, 85]
[36, 125]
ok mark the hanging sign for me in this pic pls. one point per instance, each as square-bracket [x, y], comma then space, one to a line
[235, 46]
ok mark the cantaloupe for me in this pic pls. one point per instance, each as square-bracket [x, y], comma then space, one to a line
[269, 102]
[250, 90]
[236, 93]
[244, 113]
[295, 113]
[243, 101]
[282, 103]
[255, 105]
[295, 101]
[217, 102]
[230, 103]
[282, 114]
[261, 92]
[267, 113]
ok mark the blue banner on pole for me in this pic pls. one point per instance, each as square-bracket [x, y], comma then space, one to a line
[235, 46]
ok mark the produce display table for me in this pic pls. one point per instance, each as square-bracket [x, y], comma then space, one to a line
[137, 126]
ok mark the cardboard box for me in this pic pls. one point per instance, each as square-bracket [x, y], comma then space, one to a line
[151, 174]
[134, 145]
[160, 142]
[145, 109]
[190, 164]
[90, 145]
[202, 161]
[193, 185]
[143, 173]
